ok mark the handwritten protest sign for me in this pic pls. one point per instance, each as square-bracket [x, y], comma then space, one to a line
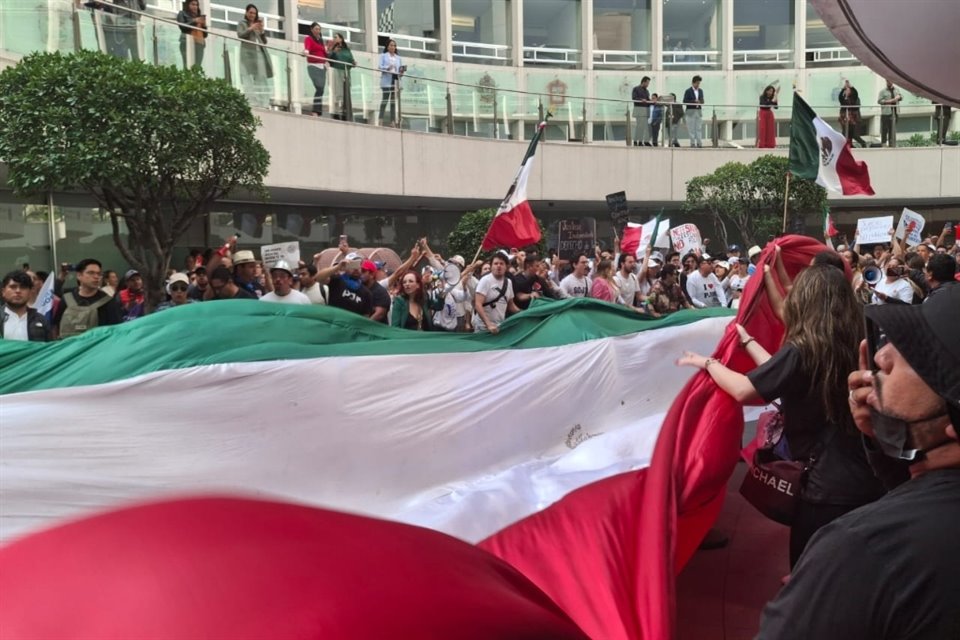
[577, 235]
[874, 230]
[662, 240]
[686, 238]
[619, 210]
[911, 226]
[288, 251]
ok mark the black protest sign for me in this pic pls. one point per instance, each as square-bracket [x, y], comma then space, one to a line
[619, 210]
[577, 235]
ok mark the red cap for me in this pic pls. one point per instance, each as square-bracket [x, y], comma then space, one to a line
[368, 265]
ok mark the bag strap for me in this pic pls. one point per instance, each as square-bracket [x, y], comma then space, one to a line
[501, 296]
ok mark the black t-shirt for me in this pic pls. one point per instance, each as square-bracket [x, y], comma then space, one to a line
[841, 473]
[523, 283]
[380, 298]
[253, 287]
[887, 570]
[242, 294]
[359, 301]
[110, 313]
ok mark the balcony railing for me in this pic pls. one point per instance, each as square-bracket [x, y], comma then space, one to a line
[831, 54]
[615, 58]
[681, 59]
[414, 44]
[551, 55]
[482, 51]
[760, 57]
[427, 104]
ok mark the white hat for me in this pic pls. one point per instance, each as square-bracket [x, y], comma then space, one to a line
[177, 277]
[734, 259]
[754, 251]
[243, 257]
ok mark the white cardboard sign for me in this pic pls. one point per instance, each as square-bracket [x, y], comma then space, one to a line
[288, 251]
[914, 222]
[686, 238]
[874, 230]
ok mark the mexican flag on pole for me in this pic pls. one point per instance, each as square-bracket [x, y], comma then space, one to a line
[829, 230]
[514, 224]
[819, 153]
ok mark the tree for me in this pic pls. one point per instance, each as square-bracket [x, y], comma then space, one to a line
[750, 199]
[467, 236]
[156, 147]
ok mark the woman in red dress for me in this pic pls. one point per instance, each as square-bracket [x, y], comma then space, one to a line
[766, 125]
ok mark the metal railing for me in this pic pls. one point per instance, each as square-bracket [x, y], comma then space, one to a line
[550, 55]
[710, 58]
[480, 51]
[615, 58]
[762, 57]
[831, 54]
[418, 101]
[414, 44]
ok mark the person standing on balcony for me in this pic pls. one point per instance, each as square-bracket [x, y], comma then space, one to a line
[641, 113]
[672, 116]
[391, 69]
[850, 113]
[120, 28]
[888, 99]
[693, 100]
[766, 124]
[192, 32]
[656, 119]
[341, 61]
[316, 53]
[255, 67]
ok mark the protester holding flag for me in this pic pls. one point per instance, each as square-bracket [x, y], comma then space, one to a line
[824, 325]
[19, 321]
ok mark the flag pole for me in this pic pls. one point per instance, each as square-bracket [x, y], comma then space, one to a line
[786, 200]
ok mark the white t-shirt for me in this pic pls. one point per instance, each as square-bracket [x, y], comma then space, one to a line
[490, 288]
[705, 291]
[14, 327]
[574, 287]
[899, 289]
[628, 287]
[294, 297]
[317, 293]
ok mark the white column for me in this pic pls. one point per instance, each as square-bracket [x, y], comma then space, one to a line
[656, 48]
[586, 34]
[800, 34]
[370, 24]
[516, 32]
[726, 19]
[446, 30]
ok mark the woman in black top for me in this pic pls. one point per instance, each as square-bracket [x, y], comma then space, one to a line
[824, 325]
[766, 124]
[411, 309]
[850, 113]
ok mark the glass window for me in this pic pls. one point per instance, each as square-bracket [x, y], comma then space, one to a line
[692, 34]
[822, 47]
[763, 32]
[414, 25]
[340, 16]
[83, 230]
[24, 235]
[551, 32]
[621, 25]
[481, 30]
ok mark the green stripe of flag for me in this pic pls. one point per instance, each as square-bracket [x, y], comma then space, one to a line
[804, 150]
[251, 331]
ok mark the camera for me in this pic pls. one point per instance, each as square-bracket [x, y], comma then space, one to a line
[872, 275]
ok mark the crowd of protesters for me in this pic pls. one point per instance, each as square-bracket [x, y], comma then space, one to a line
[430, 293]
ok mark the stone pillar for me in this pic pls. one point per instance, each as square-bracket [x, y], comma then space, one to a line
[446, 31]
[516, 32]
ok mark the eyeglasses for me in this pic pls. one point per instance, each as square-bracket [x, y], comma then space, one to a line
[178, 287]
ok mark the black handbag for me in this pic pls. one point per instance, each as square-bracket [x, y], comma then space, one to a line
[774, 481]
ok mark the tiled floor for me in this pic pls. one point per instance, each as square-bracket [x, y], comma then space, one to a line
[721, 592]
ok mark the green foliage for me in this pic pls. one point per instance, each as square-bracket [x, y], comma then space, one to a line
[749, 198]
[155, 146]
[920, 140]
[954, 135]
[467, 236]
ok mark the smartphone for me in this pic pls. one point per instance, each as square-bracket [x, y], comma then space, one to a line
[876, 339]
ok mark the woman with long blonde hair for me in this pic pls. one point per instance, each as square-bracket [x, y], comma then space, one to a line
[824, 326]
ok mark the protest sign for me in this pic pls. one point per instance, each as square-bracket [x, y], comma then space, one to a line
[576, 235]
[874, 230]
[662, 241]
[686, 238]
[288, 251]
[619, 210]
[911, 226]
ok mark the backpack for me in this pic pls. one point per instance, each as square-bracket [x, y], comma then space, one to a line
[78, 319]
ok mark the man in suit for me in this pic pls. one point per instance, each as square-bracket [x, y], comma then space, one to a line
[693, 101]
[641, 112]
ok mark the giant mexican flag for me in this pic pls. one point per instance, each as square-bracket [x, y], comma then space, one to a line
[548, 425]
[818, 152]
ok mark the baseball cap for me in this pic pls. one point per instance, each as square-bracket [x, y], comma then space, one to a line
[734, 247]
[368, 265]
[754, 250]
[380, 264]
[177, 277]
[459, 261]
[130, 273]
[926, 336]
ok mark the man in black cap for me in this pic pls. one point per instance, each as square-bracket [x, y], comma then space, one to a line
[891, 569]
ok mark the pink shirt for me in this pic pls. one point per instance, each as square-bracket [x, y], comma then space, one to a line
[601, 290]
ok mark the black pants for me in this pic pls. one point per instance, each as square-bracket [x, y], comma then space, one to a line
[198, 49]
[655, 131]
[389, 96]
[886, 131]
[810, 517]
